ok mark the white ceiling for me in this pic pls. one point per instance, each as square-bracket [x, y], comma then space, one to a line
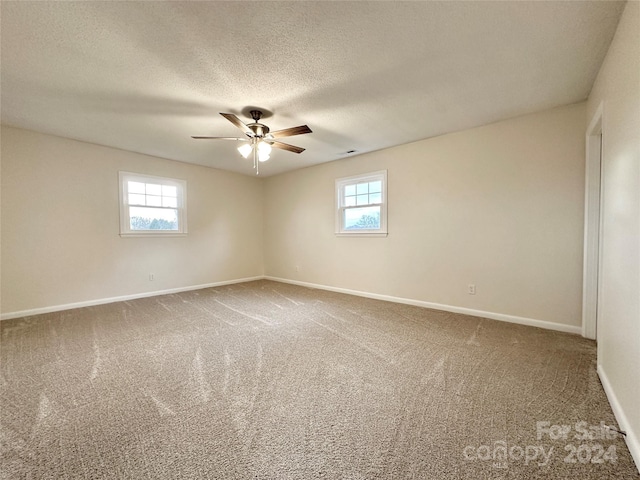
[145, 76]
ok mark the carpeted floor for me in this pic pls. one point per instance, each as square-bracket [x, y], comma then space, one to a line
[272, 381]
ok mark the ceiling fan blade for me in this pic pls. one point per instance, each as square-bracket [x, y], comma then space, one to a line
[287, 147]
[290, 132]
[219, 138]
[238, 123]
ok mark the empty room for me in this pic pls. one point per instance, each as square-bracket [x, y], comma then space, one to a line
[320, 240]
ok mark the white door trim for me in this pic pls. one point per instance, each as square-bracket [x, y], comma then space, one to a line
[592, 224]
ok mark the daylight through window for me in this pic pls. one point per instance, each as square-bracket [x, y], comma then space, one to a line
[152, 205]
[361, 204]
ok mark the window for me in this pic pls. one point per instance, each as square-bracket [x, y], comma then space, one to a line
[362, 205]
[152, 205]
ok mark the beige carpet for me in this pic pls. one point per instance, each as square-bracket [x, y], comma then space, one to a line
[266, 380]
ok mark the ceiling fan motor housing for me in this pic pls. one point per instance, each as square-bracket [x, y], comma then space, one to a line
[259, 129]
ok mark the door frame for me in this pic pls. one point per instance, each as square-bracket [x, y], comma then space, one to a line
[593, 203]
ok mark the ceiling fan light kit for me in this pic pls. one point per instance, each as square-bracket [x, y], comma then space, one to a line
[264, 150]
[245, 150]
[259, 137]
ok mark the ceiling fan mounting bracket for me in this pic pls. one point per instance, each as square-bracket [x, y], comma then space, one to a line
[256, 115]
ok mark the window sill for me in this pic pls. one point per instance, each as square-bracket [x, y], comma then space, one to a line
[361, 234]
[154, 234]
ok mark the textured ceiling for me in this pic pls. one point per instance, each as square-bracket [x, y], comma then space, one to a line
[144, 76]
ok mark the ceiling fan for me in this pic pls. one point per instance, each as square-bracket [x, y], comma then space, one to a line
[260, 139]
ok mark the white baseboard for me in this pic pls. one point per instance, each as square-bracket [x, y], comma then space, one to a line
[633, 442]
[102, 301]
[437, 306]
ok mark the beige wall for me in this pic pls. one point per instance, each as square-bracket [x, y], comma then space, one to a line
[500, 206]
[60, 227]
[618, 88]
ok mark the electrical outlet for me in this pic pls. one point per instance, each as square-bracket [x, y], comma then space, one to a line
[472, 289]
[297, 268]
[151, 277]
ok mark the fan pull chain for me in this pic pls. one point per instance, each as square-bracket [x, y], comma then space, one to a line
[256, 163]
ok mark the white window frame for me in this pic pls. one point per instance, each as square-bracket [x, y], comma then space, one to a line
[125, 221]
[341, 183]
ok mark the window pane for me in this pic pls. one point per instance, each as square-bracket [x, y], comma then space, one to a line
[154, 201]
[362, 200]
[154, 189]
[362, 208]
[362, 218]
[169, 202]
[152, 206]
[136, 199]
[144, 218]
[135, 187]
[375, 187]
[169, 191]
